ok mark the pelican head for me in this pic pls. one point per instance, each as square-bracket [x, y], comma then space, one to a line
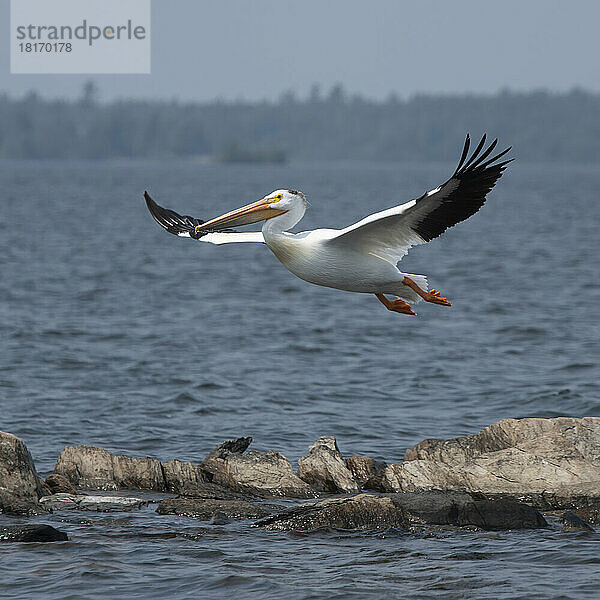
[274, 204]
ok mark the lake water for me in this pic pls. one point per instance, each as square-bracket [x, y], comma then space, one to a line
[117, 334]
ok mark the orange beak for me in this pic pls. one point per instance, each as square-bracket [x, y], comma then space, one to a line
[251, 213]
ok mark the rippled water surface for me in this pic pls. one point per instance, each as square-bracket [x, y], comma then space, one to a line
[115, 333]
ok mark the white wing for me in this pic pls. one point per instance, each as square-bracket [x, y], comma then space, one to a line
[185, 226]
[391, 233]
[230, 237]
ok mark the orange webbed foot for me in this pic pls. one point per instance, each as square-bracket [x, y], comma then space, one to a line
[400, 306]
[435, 297]
[397, 305]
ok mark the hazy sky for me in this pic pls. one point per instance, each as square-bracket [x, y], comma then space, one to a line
[257, 49]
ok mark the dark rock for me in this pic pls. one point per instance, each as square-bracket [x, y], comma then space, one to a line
[18, 476]
[513, 456]
[237, 446]
[57, 484]
[17, 506]
[31, 533]
[212, 491]
[263, 474]
[571, 522]
[63, 501]
[367, 472]
[468, 510]
[205, 509]
[324, 468]
[369, 511]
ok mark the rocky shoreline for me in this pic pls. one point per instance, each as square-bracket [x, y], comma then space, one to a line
[511, 475]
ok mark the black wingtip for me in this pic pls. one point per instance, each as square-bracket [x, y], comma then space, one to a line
[473, 179]
[149, 201]
[478, 161]
[156, 211]
[175, 223]
[464, 154]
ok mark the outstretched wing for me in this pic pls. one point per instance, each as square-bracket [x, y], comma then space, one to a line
[185, 226]
[390, 233]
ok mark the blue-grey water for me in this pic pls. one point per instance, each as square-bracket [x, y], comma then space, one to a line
[117, 334]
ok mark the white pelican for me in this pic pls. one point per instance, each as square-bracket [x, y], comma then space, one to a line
[361, 257]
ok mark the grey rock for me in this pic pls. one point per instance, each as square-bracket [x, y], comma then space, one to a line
[369, 511]
[263, 474]
[89, 467]
[207, 509]
[513, 456]
[571, 522]
[32, 533]
[110, 503]
[58, 484]
[324, 468]
[63, 501]
[367, 472]
[179, 474]
[18, 476]
[17, 506]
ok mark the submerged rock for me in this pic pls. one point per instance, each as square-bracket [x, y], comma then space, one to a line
[207, 509]
[264, 474]
[220, 519]
[63, 501]
[369, 511]
[367, 472]
[32, 533]
[18, 476]
[571, 522]
[513, 456]
[324, 468]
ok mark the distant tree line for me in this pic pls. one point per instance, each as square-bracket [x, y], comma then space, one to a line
[541, 126]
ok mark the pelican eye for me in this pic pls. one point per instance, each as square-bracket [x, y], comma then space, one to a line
[277, 198]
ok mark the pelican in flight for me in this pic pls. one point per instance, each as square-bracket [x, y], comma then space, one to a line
[362, 257]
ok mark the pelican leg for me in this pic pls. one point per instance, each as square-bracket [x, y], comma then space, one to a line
[432, 296]
[398, 305]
